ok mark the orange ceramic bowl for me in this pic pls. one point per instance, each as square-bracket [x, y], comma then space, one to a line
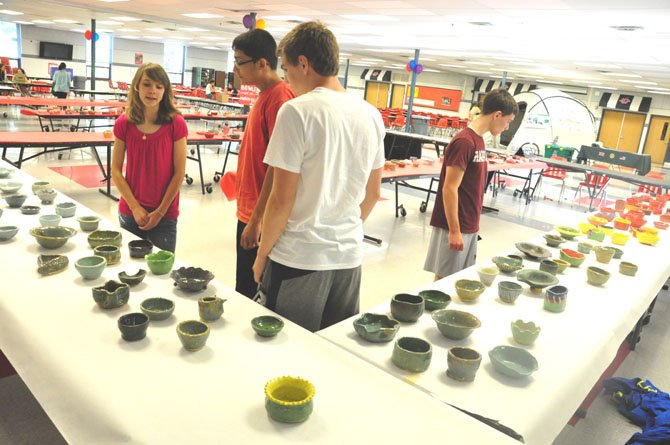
[597, 220]
[660, 225]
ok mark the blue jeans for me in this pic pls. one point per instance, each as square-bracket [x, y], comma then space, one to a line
[163, 236]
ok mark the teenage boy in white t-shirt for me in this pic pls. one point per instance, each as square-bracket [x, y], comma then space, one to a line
[327, 151]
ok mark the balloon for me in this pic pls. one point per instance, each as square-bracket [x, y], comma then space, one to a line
[88, 34]
[260, 24]
[248, 21]
[412, 64]
[96, 36]
[408, 68]
[419, 68]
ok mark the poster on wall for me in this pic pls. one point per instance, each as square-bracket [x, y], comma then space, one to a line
[247, 94]
[139, 58]
[432, 97]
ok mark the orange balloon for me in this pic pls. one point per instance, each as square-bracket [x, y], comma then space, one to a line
[260, 24]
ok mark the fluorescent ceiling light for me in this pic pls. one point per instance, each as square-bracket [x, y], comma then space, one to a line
[192, 29]
[197, 43]
[211, 47]
[129, 37]
[513, 59]
[527, 76]
[588, 82]
[42, 22]
[373, 60]
[430, 70]
[658, 92]
[155, 29]
[10, 12]
[202, 15]
[479, 72]
[642, 87]
[21, 22]
[128, 30]
[622, 75]
[601, 87]
[362, 64]
[657, 88]
[66, 21]
[123, 18]
[286, 18]
[639, 81]
[598, 65]
[108, 22]
[370, 17]
[447, 65]
[479, 63]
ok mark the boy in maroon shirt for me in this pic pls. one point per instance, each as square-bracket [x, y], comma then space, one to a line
[460, 193]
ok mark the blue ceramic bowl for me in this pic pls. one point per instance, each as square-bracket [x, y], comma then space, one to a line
[8, 232]
[513, 362]
[50, 220]
[90, 267]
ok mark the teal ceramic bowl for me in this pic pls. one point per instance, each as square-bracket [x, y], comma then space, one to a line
[132, 280]
[160, 262]
[90, 267]
[513, 362]
[434, 299]
[376, 328]
[525, 332]
[412, 354]
[88, 223]
[111, 253]
[289, 399]
[111, 295]
[8, 232]
[104, 238]
[133, 326]
[507, 264]
[193, 334]
[455, 325]
[66, 209]
[10, 187]
[597, 276]
[16, 200]
[469, 290]
[50, 220]
[267, 325]
[509, 291]
[52, 237]
[157, 308]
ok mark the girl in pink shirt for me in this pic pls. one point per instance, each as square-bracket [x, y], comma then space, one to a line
[151, 137]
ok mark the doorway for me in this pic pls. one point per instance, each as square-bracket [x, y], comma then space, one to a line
[377, 93]
[658, 136]
[621, 130]
[397, 96]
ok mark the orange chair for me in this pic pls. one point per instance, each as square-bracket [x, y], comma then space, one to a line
[596, 185]
[651, 189]
[399, 122]
[556, 173]
[442, 126]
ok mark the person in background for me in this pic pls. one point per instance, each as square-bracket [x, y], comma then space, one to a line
[209, 90]
[255, 64]
[327, 152]
[475, 111]
[61, 82]
[232, 91]
[20, 79]
[460, 192]
[3, 73]
[151, 137]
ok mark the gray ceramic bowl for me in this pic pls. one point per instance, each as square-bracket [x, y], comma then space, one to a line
[88, 223]
[192, 279]
[412, 354]
[513, 362]
[52, 237]
[455, 325]
[16, 200]
[132, 280]
[30, 210]
[111, 253]
[407, 307]
[133, 326]
[104, 238]
[193, 334]
[139, 248]
[157, 308]
[509, 291]
[597, 276]
[50, 220]
[47, 196]
[8, 232]
[66, 209]
[376, 328]
[111, 295]
[10, 187]
[435, 299]
[90, 267]
[51, 264]
[267, 325]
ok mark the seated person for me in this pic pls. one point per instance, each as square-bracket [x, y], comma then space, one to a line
[232, 91]
[20, 78]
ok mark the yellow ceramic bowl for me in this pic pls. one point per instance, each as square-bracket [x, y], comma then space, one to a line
[619, 239]
[607, 230]
[597, 220]
[647, 238]
[585, 227]
[652, 230]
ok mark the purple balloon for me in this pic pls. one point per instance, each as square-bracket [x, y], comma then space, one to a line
[247, 21]
[418, 69]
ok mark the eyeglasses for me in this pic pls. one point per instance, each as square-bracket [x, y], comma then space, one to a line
[239, 63]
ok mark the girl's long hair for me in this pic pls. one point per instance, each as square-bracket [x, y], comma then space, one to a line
[166, 108]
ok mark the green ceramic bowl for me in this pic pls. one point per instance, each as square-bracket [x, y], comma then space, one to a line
[562, 264]
[160, 262]
[536, 279]
[567, 232]
[435, 299]
[39, 185]
[52, 237]
[111, 253]
[525, 333]
[507, 264]
[111, 295]
[289, 399]
[8, 232]
[5, 172]
[469, 290]
[376, 328]
[618, 253]
[104, 238]
[513, 362]
[193, 334]
[553, 240]
[157, 308]
[88, 223]
[573, 257]
[267, 325]
[132, 280]
[51, 264]
[455, 325]
[597, 276]
[533, 250]
[627, 268]
[90, 267]
[412, 354]
[66, 209]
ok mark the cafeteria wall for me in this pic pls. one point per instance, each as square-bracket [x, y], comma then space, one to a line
[31, 36]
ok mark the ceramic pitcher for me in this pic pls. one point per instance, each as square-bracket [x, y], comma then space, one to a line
[210, 308]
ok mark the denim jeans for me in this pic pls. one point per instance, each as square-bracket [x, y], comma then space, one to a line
[163, 236]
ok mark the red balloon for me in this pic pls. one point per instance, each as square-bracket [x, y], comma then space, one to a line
[408, 68]
[88, 34]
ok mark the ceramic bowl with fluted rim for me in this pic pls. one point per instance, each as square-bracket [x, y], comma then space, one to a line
[596, 276]
[192, 279]
[47, 196]
[88, 223]
[487, 274]
[39, 185]
[628, 268]
[455, 325]
[193, 334]
[8, 232]
[160, 262]
[435, 299]
[52, 237]
[506, 264]
[289, 399]
[132, 279]
[525, 332]
[139, 248]
[568, 232]
[509, 291]
[573, 257]
[469, 290]
[533, 250]
[512, 361]
[50, 220]
[90, 267]
[111, 295]
[15, 200]
[376, 328]
[10, 187]
[66, 209]
[157, 308]
[104, 237]
[267, 325]
[111, 253]
[553, 240]
[536, 279]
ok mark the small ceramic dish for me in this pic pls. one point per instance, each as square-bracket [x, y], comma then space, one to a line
[10, 187]
[487, 275]
[111, 253]
[567, 232]
[157, 308]
[573, 257]
[597, 276]
[435, 299]
[52, 237]
[51, 264]
[627, 268]
[192, 279]
[160, 262]
[50, 220]
[513, 362]
[509, 291]
[104, 238]
[90, 267]
[533, 251]
[536, 279]
[289, 399]
[111, 295]
[267, 325]
[455, 325]
[525, 333]
[376, 328]
[16, 200]
[553, 240]
[132, 280]
[139, 248]
[8, 232]
[469, 290]
[66, 209]
[30, 210]
[507, 264]
[88, 223]
[193, 334]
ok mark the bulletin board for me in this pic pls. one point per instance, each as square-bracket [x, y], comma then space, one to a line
[432, 97]
[247, 94]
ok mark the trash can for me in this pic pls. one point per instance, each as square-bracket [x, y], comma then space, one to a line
[557, 150]
[420, 125]
[79, 82]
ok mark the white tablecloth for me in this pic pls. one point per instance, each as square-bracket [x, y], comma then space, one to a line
[573, 349]
[98, 388]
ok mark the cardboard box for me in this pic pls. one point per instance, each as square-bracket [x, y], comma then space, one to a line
[221, 97]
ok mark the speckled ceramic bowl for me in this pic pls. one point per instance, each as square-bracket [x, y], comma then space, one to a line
[52, 237]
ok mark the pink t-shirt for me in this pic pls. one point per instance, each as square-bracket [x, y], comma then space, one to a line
[150, 162]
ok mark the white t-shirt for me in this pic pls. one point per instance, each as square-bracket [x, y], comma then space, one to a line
[208, 88]
[333, 140]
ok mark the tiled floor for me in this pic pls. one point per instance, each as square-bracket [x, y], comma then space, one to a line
[395, 266]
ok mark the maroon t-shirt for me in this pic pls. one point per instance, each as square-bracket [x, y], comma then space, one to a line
[468, 152]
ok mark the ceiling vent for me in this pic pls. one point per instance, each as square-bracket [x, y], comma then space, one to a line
[148, 21]
[627, 28]
[481, 23]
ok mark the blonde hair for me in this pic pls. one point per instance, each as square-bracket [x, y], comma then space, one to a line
[166, 108]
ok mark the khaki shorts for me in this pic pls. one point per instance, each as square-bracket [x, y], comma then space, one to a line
[443, 261]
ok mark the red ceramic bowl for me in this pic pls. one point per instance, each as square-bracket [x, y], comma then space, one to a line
[665, 217]
[660, 225]
[209, 135]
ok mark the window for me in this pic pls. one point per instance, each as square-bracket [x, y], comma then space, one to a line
[9, 42]
[173, 61]
[103, 57]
